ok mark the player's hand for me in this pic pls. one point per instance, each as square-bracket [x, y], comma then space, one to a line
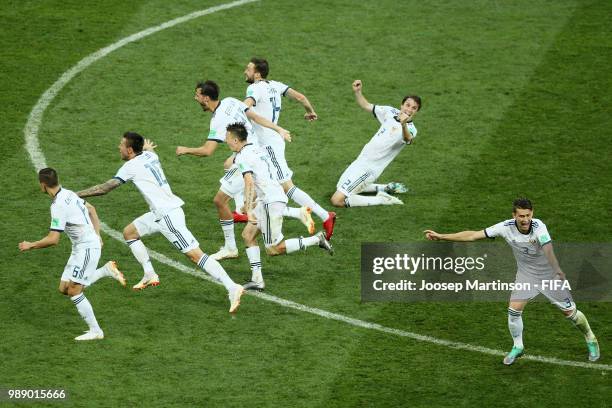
[432, 235]
[286, 135]
[25, 246]
[357, 85]
[310, 116]
[181, 150]
[148, 145]
[404, 118]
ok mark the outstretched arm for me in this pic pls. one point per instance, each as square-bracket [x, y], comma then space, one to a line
[458, 236]
[361, 100]
[310, 114]
[408, 137]
[50, 240]
[260, 120]
[100, 189]
[207, 149]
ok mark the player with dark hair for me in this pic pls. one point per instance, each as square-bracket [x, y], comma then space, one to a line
[79, 220]
[396, 132]
[536, 262]
[224, 112]
[166, 215]
[265, 97]
[266, 211]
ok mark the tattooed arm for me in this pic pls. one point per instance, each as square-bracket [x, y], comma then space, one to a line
[100, 189]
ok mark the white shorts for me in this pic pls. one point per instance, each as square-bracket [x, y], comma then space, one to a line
[270, 222]
[562, 298]
[281, 170]
[82, 263]
[232, 182]
[172, 226]
[355, 178]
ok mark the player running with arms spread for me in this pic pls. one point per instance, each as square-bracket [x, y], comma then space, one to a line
[536, 262]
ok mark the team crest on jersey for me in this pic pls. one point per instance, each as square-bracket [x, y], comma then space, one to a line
[212, 133]
[55, 222]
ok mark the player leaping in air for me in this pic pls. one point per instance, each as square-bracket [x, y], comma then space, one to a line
[396, 131]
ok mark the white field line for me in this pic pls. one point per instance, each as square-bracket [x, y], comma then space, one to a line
[38, 160]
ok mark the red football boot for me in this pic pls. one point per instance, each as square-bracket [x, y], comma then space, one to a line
[328, 225]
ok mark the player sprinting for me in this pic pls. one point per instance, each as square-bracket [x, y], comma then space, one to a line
[79, 220]
[536, 261]
[265, 98]
[166, 216]
[396, 131]
[266, 211]
[225, 112]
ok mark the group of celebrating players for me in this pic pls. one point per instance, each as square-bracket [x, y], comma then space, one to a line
[259, 180]
[257, 177]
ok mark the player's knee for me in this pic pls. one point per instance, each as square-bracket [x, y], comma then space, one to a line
[337, 200]
[220, 201]
[72, 290]
[129, 232]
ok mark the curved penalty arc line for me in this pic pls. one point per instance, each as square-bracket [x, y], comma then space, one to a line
[37, 158]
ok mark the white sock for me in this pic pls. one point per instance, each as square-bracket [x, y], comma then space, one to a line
[100, 273]
[580, 321]
[356, 200]
[86, 311]
[373, 188]
[296, 244]
[254, 256]
[515, 324]
[303, 199]
[214, 269]
[228, 232]
[291, 212]
[142, 256]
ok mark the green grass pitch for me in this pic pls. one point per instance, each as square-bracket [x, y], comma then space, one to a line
[516, 101]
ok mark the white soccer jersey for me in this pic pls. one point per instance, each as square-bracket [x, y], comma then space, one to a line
[388, 140]
[267, 98]
[69, 215]
[527, 248]
[146, 173]
[253, 159]
[229, 110]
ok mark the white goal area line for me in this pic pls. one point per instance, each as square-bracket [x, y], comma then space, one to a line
[38, 160]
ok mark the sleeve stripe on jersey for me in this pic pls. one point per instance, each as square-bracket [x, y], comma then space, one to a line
[247, 172]
[216, 140]
[57, 230]
[285, 91]
[374, 111]
[547, 242]
[254, 101]
[120, 179]
[487, 234]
